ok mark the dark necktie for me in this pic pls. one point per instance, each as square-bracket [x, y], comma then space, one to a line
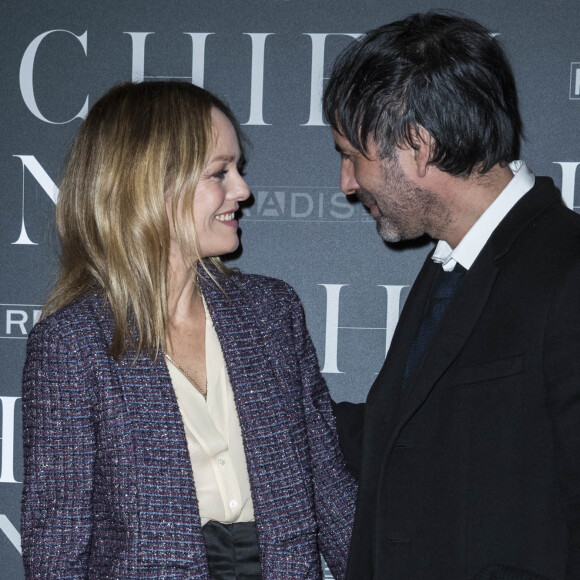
[443, 289]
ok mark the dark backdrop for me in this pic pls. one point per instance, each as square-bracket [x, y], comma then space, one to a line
[268, 60]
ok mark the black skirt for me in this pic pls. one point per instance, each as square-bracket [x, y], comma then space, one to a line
[232, 551]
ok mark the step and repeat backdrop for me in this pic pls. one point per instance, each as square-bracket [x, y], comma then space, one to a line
[268, 59]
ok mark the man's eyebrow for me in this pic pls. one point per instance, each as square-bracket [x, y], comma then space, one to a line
[348, 152]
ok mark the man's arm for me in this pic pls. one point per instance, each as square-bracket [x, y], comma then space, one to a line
[349, 424]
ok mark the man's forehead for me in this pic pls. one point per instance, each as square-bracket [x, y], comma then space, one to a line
[341, 143]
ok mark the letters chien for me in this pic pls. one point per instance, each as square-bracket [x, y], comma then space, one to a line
[198, 49]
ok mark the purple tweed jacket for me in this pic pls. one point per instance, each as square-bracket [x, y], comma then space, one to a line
[108, 488]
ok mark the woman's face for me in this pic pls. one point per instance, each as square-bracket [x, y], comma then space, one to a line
[219, 190]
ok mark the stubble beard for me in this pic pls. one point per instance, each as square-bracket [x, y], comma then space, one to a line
[390, 231]
[412, 210]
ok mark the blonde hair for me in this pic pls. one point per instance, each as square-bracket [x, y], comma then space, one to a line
[139, 145]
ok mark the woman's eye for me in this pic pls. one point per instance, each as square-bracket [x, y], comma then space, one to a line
[220, 174]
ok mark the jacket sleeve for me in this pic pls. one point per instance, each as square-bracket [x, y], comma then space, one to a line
[350, 424]
[334, 485]
[59, 451]
[562, 375]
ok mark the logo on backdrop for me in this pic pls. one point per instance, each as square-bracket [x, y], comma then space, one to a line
[197, 44]
[334, 329]
[18, 319]
[568, 187]
[303, 204]
[10, 532]
[274, 203]
[575, 80]
[7, 414]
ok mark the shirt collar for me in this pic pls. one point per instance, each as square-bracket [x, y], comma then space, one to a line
[472, 243]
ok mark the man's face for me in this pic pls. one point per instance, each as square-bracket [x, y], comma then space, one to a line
[402, 209]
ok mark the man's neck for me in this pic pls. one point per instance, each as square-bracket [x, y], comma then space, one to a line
[468, 198]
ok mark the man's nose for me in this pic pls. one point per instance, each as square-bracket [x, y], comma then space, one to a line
[348, 183]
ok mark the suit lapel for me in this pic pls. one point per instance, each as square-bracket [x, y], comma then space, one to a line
[462, 314]
[384, 396]
[454, 330]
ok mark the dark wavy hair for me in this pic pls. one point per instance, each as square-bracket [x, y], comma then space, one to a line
[441, 71]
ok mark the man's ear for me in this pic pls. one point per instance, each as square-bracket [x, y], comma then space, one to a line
[423, 144]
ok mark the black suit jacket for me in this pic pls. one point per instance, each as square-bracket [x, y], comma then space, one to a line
[474, 470]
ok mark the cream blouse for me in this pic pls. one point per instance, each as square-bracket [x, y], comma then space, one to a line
[214, 438]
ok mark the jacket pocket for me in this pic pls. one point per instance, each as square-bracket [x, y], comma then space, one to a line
[507, 573]
[496, 369]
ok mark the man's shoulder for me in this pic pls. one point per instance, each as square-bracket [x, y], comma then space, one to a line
[539, 218]
[539, 241]
[559, 221]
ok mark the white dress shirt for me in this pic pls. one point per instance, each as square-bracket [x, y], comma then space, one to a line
[472, 243]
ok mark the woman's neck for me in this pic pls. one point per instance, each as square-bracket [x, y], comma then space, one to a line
[183, 293]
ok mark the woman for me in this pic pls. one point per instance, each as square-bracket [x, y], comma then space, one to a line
[161, 391]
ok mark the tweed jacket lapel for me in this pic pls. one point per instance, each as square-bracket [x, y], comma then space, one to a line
[248, 340]
[144, 414]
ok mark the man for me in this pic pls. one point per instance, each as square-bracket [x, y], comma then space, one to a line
[468, 447]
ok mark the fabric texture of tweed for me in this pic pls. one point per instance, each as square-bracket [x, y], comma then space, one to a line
[108, 489]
